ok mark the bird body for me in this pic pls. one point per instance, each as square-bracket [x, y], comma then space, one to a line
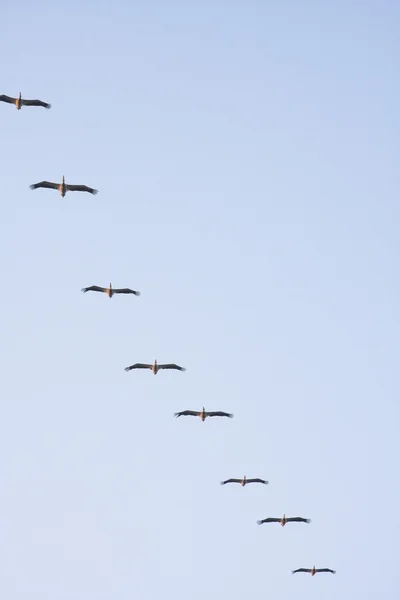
[203, 414]
[244, 481]
[313, 571]
[155, 367]
[20, 102]
[284, 520]
[63, 187]
[110, 291]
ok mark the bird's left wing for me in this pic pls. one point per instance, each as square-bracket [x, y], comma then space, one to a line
[256, 480]
[172, 366]
[125, 291]
[298, 520]
[324, 571]
[35, 103]
[219, 413]
[81, 188]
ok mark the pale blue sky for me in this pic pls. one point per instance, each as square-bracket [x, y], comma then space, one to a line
[246, 156]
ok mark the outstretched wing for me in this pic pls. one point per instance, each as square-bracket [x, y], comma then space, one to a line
[125, 291]
[324, 571]
[298, 520]
[171, 366]
[138, 366]
[93, 288]
[231, 481]
[45, 184]
[269, 520]
[81, 188]
[256, 480]
[185, 413]
[35, 103]
[302, 571]
[219, 413]
[8, 99]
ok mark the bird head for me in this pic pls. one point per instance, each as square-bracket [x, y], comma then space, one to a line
[20, 95]
[63, 179]
[110, 285]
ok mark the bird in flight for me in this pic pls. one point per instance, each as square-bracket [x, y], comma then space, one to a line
[20, 102]
[244, 481]
[155, 367]
[110, 291]
[284, 520]
[203, 414]
[313, 571]
[63, 187]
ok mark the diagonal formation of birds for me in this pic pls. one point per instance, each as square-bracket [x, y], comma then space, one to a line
[63, 188]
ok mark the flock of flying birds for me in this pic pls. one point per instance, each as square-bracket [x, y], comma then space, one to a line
[63, 188]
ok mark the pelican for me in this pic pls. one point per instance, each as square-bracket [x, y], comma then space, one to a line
[155, 367]
[63, 187]
[203, 414]
[284, 520]
[244, 481]
[110, 291]
[313, 571]
[20, 102]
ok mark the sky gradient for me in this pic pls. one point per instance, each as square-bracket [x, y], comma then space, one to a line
[247, 160]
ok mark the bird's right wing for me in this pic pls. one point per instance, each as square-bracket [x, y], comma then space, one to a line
[44, 184]
[268, 520]
[231, 481]
[185, 413]
[93, 288]
[219, 413]
[8, 99]
[138, 366]
[297, 520]
[301, 571]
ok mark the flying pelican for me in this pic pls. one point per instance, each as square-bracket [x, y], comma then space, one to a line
[203, 414]
[284, 520]
[244, 481]
[313, 571]
[63, 187]
[155, 367]
[20, 102]
[110, 291]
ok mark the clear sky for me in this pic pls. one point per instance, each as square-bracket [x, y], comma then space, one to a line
[247, 161]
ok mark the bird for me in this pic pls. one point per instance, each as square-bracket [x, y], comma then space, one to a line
[244, 481]
[203, 414]
[63, 187]
[110, 291]
[155, 367]
[313, 571]
[284, 520]
[20, 102]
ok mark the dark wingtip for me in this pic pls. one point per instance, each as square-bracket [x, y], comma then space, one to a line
[259, 522]
[127, 369]
[32, 186]
[95, 192]
[137, 293]
[84, 290]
